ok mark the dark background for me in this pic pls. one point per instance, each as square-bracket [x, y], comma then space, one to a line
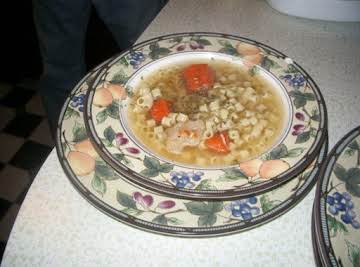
[20, 56]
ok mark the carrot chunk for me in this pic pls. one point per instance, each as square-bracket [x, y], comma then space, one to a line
[219, 142]
[160, 109]
[198, 78]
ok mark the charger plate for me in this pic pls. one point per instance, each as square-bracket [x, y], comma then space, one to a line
[106, 117]
[337, 204]
[122, 200]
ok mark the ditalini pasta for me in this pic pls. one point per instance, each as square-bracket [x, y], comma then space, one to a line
[210, 113]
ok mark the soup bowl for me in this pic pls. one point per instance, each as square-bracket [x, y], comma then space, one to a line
[111, 99]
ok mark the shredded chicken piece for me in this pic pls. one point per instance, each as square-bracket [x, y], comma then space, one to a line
[184, 134]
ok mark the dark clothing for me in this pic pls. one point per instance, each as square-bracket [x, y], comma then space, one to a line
[61, 27]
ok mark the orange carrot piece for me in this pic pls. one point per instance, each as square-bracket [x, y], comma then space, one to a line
[198, 78]
[160, 109]
[219, 142]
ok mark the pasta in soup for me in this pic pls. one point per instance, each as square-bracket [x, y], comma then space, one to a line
[211, 113]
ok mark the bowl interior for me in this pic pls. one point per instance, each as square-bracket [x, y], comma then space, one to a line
[202, 57]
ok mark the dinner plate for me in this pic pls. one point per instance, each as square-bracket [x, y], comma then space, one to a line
[337, 204]
[299, 144]
[122, 200]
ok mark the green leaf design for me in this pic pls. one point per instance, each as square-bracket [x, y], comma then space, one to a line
[215, 207]
[309, 96]
[295, 94]
[206, 211]
[224, 43]
[160, 219]
[232, 174]
[79, 133]
[98, 185]
[126, 200]
[313, 132]
[315, 116]
[156, 53]
[113, 110]
[300, 99]
[340, 172]
[101, 116]
[335, 226]
[104, 171]
[119, 156]
[166, 167]
[207, 220]
[151, 163]
[266, 203]
[352, 184]
[291, 69]
[203, 208]
[303, 137]
[154, 46]
[123, 61]
[354, 145]
[197, 208]
[174, 221]
[176, 39]
[203, 41]
[70, 112]
[154, 168]
[120, 77]
[229, 50]
[349, 152]
[106, 142]
[205, 185]
[295, 152]
[279, 152]
[122, 158]
[133, 212]
[150, 172]
[299, 102]
[353, 253]
[254, 70]
[109, 134]
[268, 64]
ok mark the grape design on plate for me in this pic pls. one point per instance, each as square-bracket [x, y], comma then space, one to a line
[135, 58]
[342, 205]
[244, 208]
[184, 179]
[78, 101]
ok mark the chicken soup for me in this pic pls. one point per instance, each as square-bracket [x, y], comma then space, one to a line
[212, 113]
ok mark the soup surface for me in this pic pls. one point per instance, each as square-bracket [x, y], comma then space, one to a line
[208, 113]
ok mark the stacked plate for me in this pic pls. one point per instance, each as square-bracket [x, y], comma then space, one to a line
[103, 151]
[335, 228]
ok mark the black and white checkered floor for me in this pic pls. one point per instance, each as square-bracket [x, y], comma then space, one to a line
[25, 142]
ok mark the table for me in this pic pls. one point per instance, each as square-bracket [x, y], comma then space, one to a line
[57, 227]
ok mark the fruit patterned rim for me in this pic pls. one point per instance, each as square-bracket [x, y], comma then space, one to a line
[337, 201]
[309, 123]
[105, 189]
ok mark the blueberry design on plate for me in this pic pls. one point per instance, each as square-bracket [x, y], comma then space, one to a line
[338, 200]
[117, 85]
[111, 193]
